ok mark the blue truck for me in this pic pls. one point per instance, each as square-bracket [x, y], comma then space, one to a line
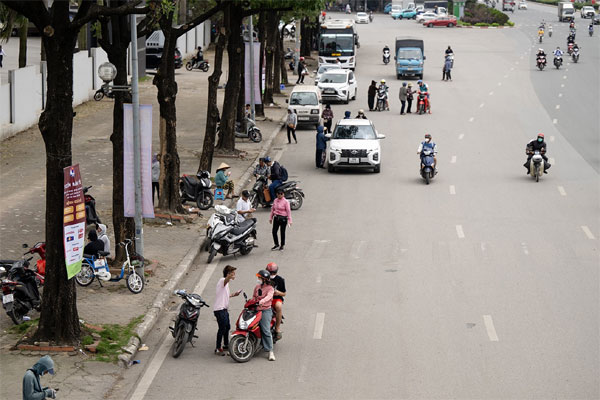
[410, 57]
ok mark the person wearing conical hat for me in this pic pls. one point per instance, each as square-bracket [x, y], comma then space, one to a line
[223, 181]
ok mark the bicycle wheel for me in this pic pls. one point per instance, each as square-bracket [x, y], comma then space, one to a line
[86, 276]
[135, 283]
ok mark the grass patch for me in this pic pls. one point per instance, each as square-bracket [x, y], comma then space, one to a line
[113, 337]
[24, 327]
[147, 77]
[87, 340]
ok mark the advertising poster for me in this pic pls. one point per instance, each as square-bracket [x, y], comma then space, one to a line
[247, 81]
[145, 160]
[73, 220]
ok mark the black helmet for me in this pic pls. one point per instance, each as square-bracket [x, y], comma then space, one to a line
[264, 274]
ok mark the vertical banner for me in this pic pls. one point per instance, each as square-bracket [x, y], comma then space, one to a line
[73, 220]
[247, 81]
[145, 160]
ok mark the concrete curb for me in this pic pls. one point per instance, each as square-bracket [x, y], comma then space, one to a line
[163, 296]
[484, 27]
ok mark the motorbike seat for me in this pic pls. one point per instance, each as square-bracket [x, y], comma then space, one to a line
[242, 227]
[7, 262]
[286, 185]
[103, 253]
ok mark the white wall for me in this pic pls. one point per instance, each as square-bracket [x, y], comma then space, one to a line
[83, 77]
[4, 104]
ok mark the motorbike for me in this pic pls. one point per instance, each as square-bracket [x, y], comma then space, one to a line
[105, 90]
[428, 170]
[222, 215]
[591, 31]
[91, 216]
[381, 98]
[541, 62]
[197, 189]
[201, 65]
[370, 16]
[291, 191]
[232, 239]
[185, 325]
[422, 103]
[386, 57]
[557, 61]
[40, 271]
[536, 165]
[289, 54]
[246, 340]
[575, 55]
[251, 131]
[540, 38]
[20, 294]
[570, 48]
[550, 33]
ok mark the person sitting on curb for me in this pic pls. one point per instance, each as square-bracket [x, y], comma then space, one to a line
[222, 180]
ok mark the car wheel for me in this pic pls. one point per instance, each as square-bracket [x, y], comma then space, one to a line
[330, 168]
[430, 25]
[450, 25]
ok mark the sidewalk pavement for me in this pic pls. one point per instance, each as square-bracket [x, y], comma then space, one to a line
[172, 248]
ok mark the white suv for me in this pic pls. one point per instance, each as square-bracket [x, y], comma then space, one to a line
[354, 143]
[338, 85]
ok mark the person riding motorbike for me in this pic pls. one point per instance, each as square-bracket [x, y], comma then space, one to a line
[427, 144]
[384, 88]
[570, 39]
[572, 25]
[558, 52]
[425, 90]
[361, 115]
[575, 47]
[537, 144]
[386, 49]
[263, 295]
[198, 57]
[540, 55]
[550, 30]
[540, 33]
[591, 28]
[278, 284]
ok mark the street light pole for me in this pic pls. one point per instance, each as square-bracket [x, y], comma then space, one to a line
[252, 82]
[137, 175]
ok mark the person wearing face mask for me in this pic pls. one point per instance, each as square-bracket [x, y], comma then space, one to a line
[534, 145]
[430, 144]
[32, 387]
[278, 284]
[263, 295]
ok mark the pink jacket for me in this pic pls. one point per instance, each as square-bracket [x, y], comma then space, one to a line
[281, 207]
[265, 299]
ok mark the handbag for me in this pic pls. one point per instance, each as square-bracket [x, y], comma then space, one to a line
[282, 219]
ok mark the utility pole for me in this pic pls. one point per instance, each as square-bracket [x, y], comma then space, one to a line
[252, 83]
[137, 175]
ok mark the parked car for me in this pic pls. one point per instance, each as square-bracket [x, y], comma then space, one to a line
[448, 21]
[324, 68]
[420, 9]
[338, 85]
[587, 12]
[522, 5]
[354, 143]
[427, 16]
[154, 55]
[362, 18]
[596, 19]
[407, 13]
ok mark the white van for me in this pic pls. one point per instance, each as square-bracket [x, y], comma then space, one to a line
[306, 102]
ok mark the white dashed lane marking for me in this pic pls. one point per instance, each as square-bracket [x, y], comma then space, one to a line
[587, 232]
[557, 106]
[452, 189]
[489, 326]
[319, 323]
[481, 105]
[471, 119]
[555, 121]
[492, 93]
[560, 95]
[564, 77]
[561, 190]
[525, 248]
[562, 85]
[453, 160]
[552, 138]
[461, 136]
[460, 232]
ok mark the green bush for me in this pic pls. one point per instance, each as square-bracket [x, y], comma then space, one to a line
[477, 24]
[494, 24]
[510, 23]
[480, 13]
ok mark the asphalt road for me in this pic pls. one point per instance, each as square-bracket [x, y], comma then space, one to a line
[483, 284]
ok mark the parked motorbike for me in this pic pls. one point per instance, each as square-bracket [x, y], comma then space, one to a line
[386, 57]
[185, 325]
[232, 239]
[222, 215]
[40, 271]
[541, 62]
[291, 191]
[20, 294]
[91, 216]
[536, 165]
[246, 340]
[250, 130]
[197, 189]
[428, 170]
[202, 65]
[381, 98]
[575, 55]
[557, 62]
[422, 103]
[289, 54]
[105, 90]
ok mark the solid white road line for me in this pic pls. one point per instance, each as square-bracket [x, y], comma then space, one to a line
[587, 232]
[453, 160]
[471, 119]
[561, 190]
[557, 106]
[489, 326]
[163, 350]
[319, 322]
[452, 189]
[460, 232]
[555, 121]
[461, 136]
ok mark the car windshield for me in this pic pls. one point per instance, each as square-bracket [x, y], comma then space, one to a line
[361, 14]
[409, 54]
[354, 132]
[325, 68]
[336, 42]
[333, 78]
[304, 99]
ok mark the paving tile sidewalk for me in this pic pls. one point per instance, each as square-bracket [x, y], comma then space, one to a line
[22, 210]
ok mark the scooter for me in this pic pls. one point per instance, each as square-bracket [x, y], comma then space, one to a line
[197, 189]
[591, 31]
[222, 215]
[20, 294]
[105, 90]
[260, 193]
[40, 271]
[536, 165]
[185, 325]
[381, 98]
[428, 170]
[251, 131]
[557, 61]
[575, 55]
[541, 62]
[232, 239]
[370, 16]
[246, 340]
[202, 65]
[550, 33]
[386, 57]
[422, 103]
[91, 216]
[570, 48]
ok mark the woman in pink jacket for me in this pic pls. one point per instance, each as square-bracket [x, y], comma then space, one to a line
[281, 217]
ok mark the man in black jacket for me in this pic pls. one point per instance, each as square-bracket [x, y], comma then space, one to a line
[275, 177]
[537, 145]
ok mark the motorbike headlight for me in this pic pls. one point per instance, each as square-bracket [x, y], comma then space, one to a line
[243, 324]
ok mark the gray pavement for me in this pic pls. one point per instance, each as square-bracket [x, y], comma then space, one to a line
[483, 284]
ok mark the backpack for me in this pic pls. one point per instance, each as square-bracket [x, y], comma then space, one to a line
[283, 173]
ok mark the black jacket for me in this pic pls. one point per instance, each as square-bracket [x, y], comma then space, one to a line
[535, 145]
[275, 171]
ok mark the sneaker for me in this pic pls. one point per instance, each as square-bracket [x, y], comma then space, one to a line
[281, 248]
[219, 352]
[271, 356]
[278, 335]
[276, 247]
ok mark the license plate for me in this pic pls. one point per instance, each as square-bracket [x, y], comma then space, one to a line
[99, 263]
[354, 160]
[7, 299]
[329, 91]
[302, 118]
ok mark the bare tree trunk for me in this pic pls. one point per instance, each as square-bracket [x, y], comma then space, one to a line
[305, 37]
[182, 12]
[283, 66]
[272, 34]
[23, 43]
[241, 105]
[277, 56]
[212, 112]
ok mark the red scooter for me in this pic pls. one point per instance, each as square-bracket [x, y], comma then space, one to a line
[570, 48]
[40, 249]
[246, 340]
[422, 105]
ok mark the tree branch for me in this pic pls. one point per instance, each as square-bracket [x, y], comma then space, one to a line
[253, 11]
[95, 10]
[36, 11]
[198, 20]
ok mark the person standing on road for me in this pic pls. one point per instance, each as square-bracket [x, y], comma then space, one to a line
[321, 147]
[281, 217]
[221, 309]
[155, 176]
[291, 123]
[403, 96]
[447, 68]
[263, 295]
[371, 95]
[301, 71]
[278, 284]
[32, 387]
[2, 54]
[327, 116]
[409, 97]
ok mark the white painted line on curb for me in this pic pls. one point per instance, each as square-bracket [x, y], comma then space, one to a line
[461, 136]
[459, 231]
[560, 95]
[524, 248]
[561, 190]
[452, 189]
[481, 105]
[557, 107]
[453, 160]
[471, 119]
[319, 322]
[552, 138]
[161, 353]
[489, 326]
[555, 121]
[587, 232]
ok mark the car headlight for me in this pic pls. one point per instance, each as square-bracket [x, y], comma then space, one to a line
[321, 60]
[315, 111]
[376, 157]
[351, 60]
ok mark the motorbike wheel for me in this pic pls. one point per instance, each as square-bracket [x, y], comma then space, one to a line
[205, 200]
[15, 315]
[537, 174]
[99, 95]
[255, 136]
[296, 200]
[135, 283]
[86, 276]
[211, 255]
[204, 67]
[238, 349]
[189, 66]
[427, 178]
[180, 340]
[245, 250]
